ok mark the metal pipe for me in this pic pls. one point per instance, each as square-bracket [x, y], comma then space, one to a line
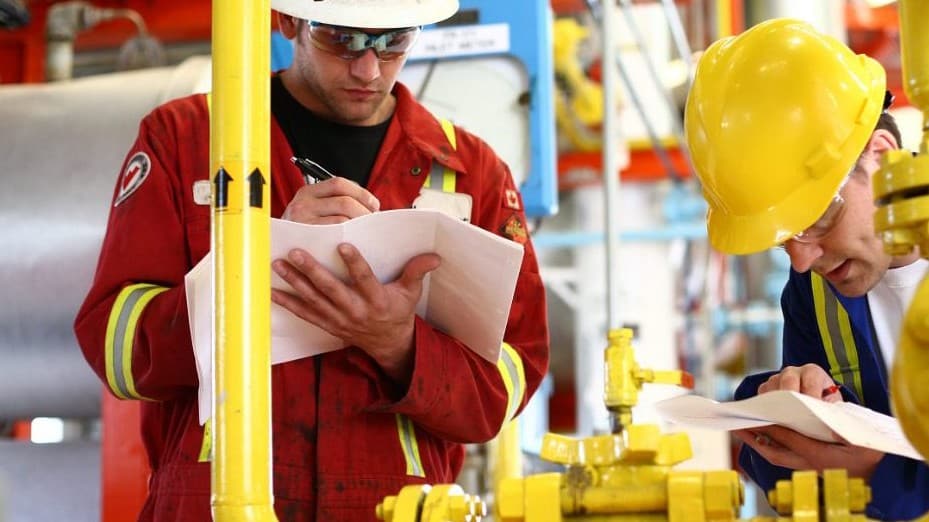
[678, 36]
[240, 166]
[611, 166]
[723, 11]
[914, 54]
[57, 183]
[676, 125]
[597, 12]
[65, 20]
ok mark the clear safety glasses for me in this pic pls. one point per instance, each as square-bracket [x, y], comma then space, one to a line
[349, 43]
[827, 222]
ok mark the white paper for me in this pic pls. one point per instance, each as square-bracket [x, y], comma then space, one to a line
[812, 417]
[468, 296]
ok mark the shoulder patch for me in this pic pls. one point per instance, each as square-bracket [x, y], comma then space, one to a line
[512, 199]
[136, 172]
[514, 229]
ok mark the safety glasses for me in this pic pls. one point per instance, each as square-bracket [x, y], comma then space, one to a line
[827, 222]
[349, 43]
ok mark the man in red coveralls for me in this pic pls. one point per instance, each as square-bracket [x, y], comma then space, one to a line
[351, 426]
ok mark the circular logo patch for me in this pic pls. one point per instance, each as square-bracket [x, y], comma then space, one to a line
[136, 172]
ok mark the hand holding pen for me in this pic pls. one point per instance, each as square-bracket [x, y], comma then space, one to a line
[312, 172]
[327, 203]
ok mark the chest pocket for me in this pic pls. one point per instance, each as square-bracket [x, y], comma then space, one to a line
[438, 191]
[836, 332]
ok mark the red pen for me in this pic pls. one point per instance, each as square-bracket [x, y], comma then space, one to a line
[830, 390]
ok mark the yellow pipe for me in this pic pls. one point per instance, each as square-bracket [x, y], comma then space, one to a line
[723, 18]
[911, 401]
[914, 54]
[239, 159]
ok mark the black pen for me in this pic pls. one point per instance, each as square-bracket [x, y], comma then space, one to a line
[312, 172]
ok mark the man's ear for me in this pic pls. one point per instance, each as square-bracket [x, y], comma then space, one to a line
[881, 141]
[288, 25]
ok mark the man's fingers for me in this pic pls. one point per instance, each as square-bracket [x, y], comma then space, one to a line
[359, 270]
[790, 380]
[337, 187]
[417, 268]
[307, 278]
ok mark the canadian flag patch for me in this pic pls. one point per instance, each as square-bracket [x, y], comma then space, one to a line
[136, 172]
[512, 199]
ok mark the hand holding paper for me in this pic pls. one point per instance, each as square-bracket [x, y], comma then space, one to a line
[363, 312]
[806, 415]
[468, 296]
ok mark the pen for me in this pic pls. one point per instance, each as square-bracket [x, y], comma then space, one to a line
[312, 172]
[830, 390]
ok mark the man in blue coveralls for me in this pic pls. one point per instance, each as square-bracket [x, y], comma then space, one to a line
[786, 126]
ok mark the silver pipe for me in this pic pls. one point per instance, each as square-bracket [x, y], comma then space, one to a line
[596, 12]
[678, 36]
[677, 127]
[611, 167]
[62, 146]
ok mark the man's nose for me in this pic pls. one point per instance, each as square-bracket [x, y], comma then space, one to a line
[803, 255]
[366, 67]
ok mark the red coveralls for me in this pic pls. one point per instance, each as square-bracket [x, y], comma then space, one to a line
[344, 435]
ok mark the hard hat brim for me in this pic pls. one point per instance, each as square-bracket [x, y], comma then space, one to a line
[369, 14]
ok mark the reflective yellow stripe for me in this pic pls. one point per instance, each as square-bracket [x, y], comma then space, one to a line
[835, 329]
[120, 334]
[514, 379]
[206, 447]
[407, 434]
[449, 129]
[448, 176]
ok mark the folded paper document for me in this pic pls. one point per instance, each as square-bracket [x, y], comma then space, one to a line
[815, 418]
[467, 297]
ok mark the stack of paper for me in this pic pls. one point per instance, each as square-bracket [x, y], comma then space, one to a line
[812, 417]
[467, 297]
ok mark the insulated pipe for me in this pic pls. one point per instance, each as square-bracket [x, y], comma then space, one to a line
[240, 171]
[61, 146]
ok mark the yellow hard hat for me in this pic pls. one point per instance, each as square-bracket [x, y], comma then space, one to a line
[369, 14]
[775, 119]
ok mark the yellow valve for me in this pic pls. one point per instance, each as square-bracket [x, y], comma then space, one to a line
[843, 496]
[624, 378]
[902, 217]
[602, 450]
[798, 496]
[843, 499]
[422, 503]
[561, 449]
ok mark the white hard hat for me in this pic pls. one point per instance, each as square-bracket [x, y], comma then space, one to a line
[371, 14]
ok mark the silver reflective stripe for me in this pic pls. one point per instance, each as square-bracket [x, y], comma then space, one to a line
[436, 176]
[832, 324]
[119, 337]
[517, 393]
[407, 433]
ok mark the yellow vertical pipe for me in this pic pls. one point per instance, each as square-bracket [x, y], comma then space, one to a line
[507, 457]
[239, 162]
[723, 18]
[914, 54]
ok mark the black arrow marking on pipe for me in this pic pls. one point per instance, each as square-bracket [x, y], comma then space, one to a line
[221, 180]
[256, 189]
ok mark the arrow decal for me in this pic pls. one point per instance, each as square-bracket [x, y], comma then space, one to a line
[256, 189]
[221, 180]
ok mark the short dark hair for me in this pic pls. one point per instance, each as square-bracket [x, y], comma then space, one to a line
[889, 124]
